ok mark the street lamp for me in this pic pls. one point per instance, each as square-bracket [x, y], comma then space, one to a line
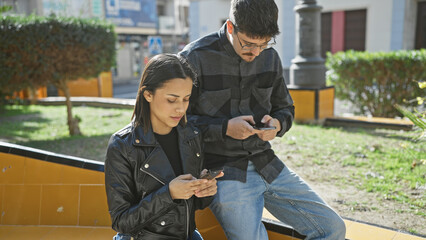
[314, 102]
[307, 68]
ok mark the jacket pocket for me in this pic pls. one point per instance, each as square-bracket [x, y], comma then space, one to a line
[165, 220]
[262, 100]
[196, 147]
[210, 102]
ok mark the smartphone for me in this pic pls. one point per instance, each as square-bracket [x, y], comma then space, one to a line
[210, 174]
[262, 126]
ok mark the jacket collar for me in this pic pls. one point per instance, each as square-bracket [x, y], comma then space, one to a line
[161, 167]
[141, 138]
[226, 44]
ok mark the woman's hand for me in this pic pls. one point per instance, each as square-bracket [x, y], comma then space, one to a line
[184, 186]
[209, 188]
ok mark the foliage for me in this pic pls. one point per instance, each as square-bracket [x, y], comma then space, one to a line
[416, 117]
[5, 8]
[376, 81]
[38, 50]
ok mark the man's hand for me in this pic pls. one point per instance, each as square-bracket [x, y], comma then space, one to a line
[267, 135]
[241, 127]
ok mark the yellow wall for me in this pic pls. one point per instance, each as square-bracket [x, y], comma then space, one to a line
[38, 197]
[326, 103]
[304, 104]
[106, 84]
[35, 192]
[93, 87]
[25, 94]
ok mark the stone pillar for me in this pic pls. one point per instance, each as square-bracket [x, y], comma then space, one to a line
[307, 68]
[313, 100]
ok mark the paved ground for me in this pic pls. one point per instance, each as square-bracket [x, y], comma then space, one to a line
[343, 108]
[126, 90]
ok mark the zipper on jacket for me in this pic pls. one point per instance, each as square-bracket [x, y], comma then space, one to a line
[186, 203]
[152, 176]
[187, 219]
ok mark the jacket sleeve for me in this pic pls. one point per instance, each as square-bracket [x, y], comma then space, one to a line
[282, 103]
[201, 203]
[129, 213]
[213, 128]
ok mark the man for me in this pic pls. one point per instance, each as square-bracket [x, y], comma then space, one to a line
[241, 84]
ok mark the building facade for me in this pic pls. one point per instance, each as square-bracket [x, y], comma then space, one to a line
[364, 25]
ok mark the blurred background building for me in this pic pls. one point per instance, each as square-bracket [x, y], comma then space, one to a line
[364, 25]
[144, 27]
[149, 27]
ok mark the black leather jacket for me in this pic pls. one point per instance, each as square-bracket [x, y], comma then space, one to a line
[137, 174]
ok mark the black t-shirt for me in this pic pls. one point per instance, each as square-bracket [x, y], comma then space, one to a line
[169, 143]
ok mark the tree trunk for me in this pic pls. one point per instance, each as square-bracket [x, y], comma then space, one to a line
[72, 122]
[32, 92]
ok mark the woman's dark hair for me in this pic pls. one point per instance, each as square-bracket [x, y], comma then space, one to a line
[160, 69]
[255, 18]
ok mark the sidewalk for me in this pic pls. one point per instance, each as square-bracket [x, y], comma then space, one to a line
[127, 90]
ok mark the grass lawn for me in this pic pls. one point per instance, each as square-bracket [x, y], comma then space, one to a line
[45, 127]
[384, 162]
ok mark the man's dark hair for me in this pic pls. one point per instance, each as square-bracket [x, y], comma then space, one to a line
[255, 18]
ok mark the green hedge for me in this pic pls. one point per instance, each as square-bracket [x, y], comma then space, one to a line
[36, 51]
[375, 81]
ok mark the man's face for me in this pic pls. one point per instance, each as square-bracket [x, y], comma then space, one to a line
[248, 48]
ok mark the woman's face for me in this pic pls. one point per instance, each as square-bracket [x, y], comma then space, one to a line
[168, 104]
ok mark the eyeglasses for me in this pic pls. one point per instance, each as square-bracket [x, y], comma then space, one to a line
[252, 46]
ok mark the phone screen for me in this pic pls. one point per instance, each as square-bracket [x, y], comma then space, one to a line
[266, 128]
[262, 126]
[211, 174]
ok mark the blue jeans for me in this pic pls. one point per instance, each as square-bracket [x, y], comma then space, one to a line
[119, 236]
[239, 206]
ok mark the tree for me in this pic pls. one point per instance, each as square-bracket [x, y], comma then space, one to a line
[36, 51]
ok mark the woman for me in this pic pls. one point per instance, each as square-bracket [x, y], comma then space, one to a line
[152, 164]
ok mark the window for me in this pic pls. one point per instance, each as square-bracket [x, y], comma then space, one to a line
[325, 33]
[161, 10]
[343, 30]
[355, 22]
